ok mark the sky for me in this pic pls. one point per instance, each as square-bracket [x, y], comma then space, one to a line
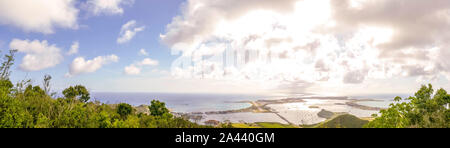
[326, 47]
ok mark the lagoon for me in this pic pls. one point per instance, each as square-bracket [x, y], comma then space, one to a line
[296, 113]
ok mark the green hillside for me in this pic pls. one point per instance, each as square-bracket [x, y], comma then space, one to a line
[343, 121]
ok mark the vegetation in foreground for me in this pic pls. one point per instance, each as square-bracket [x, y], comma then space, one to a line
[29, 106]
[426, 109]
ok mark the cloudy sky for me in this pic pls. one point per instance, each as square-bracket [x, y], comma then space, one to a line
[328, 47]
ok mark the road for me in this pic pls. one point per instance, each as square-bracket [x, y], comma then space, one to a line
[260, 109]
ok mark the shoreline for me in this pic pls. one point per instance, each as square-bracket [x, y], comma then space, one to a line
[261, 106]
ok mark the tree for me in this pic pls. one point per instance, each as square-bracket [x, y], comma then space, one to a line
[158, 108]
[423, 110]
[77, 92]
[46, 85]
[21, 85]
[5, 84]
[6, 65]
[35, 91]
[124, 110]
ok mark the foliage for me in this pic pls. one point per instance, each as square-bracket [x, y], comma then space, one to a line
[238, 125]
[35, 109]
[158, 108]
[46, 85]
[6, 65]
[423, 110]
[274, 125]
[80, 92]
[124, 109]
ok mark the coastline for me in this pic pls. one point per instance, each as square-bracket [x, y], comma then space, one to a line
[263, 106]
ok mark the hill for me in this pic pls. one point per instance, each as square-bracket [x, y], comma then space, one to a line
[343, 121]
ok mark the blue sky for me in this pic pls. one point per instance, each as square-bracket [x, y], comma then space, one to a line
[97, 36]
[347, 47]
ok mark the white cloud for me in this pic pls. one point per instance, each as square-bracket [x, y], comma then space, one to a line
[201, 17]
[74, 48]
[41, 16]
[39, 55]
[135, 69]
[132, 70]
[82, 66]
[354, 77]
[305, 44]
[128, 31]
[143, 52]
[149, 62]
[107, 7]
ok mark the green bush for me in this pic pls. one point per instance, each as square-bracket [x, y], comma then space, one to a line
[158, 109]
[124, 109]
[423, 110]
[80, 92]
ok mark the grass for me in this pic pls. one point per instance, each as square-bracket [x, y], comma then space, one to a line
[274, 125]
[262, 125]
[368, 118]
[243, 125]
